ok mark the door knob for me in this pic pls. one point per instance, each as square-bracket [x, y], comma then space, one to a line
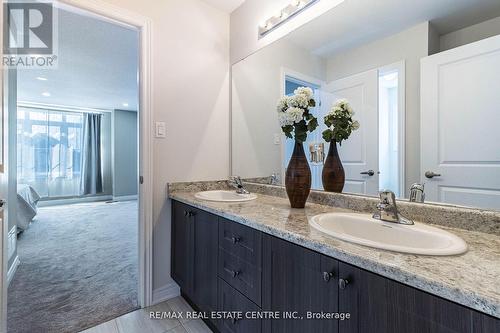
[431, 174]
[327, 276]
[369, 173]
[343, 283]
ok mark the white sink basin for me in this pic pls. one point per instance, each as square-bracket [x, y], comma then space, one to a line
[365, 230]
[225, 196]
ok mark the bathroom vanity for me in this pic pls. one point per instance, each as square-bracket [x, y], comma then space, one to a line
[264, 256]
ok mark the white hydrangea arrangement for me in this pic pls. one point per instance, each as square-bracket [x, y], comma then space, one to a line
[294, 116]
[340, 122]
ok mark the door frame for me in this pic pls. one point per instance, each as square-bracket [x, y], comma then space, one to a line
[143, 24]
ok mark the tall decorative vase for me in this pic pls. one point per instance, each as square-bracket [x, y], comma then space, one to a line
[298, 177]
[333, 172]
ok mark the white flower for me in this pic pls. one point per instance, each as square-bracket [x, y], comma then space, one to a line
[284, 119]
[295, 114]
[305, 91]
[300, 101]
[355, 125]
[282, 104]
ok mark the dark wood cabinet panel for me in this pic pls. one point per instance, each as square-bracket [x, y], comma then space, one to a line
[380, 305]
[243, 276]
[230, 300]
[180, 245]
[483, 323]
[241, 241]
[204, 260]
[293, 281]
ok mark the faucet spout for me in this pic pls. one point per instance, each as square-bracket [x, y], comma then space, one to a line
[237, 183]
[387, 209]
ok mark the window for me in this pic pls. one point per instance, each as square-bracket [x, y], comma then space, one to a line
[49, 147]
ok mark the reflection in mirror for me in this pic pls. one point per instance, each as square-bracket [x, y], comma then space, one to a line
[422, 93]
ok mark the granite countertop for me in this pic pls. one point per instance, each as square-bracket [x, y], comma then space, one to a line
[471, 279]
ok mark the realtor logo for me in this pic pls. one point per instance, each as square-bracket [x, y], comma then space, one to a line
[28, 34]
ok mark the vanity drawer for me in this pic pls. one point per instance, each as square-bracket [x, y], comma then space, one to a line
[231, 300]
[241, 241]
[240, 274]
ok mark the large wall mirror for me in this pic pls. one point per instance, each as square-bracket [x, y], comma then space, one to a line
[423, 80]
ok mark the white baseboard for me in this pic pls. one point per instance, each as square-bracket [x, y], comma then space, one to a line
[46, 203]
[12, 270]
[126, 197]
[166, 292]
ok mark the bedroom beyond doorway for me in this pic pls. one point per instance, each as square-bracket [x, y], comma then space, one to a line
[73, 244]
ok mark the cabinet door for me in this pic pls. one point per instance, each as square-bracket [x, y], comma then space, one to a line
[294, 282]
[380, 305]
[204, 262]
[181, 254]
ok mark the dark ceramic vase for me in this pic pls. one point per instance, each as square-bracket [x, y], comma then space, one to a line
[298, 177]
[333, 172]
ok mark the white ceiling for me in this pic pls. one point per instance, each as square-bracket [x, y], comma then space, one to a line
[355, 22]
[225, 5]
[98, 63]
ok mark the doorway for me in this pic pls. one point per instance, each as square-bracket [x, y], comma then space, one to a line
[51, 162]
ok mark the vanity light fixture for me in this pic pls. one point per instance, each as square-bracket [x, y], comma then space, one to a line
[295, 7]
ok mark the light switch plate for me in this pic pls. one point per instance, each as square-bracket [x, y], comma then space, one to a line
[160, 129]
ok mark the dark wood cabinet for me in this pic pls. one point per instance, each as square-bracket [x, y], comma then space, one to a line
[181, 241]
[380, 305]
[194, 254]
[222, 265]
[204, 260]
[297, 281]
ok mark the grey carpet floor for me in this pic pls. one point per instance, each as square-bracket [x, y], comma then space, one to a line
[78, 268]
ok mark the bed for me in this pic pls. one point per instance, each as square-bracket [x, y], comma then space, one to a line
[27, 199]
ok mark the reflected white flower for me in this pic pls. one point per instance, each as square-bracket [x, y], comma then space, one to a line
[282, 104]
[298, 101]
[305, 91]
[295, 114]
[355, 125]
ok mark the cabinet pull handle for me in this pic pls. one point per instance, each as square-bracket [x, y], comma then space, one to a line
[327, 276]
[185, 213]
[232, 273]
[343, 283]
[235, 239]
[191, 213]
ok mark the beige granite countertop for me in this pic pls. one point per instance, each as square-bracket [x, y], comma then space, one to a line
[471, 279]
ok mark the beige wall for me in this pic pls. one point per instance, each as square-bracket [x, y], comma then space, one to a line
[245, 21]
[470, 34]
[410, 45]
[256, 88]
[190, 69]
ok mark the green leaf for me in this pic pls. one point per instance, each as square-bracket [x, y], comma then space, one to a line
[312, 125]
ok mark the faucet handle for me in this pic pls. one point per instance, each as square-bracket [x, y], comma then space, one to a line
[387, 197]
[236, 180]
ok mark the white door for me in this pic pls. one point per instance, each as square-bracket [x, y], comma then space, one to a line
[460, 118]
[359, 154]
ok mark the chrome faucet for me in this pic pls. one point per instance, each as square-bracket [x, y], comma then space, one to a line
[388, 210]
[417, 193]
[235, 181]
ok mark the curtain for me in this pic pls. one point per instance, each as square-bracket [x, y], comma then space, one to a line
[91, 177]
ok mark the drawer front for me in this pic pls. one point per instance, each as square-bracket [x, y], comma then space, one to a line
[240, 274]
[231, 300]
[241, 241]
